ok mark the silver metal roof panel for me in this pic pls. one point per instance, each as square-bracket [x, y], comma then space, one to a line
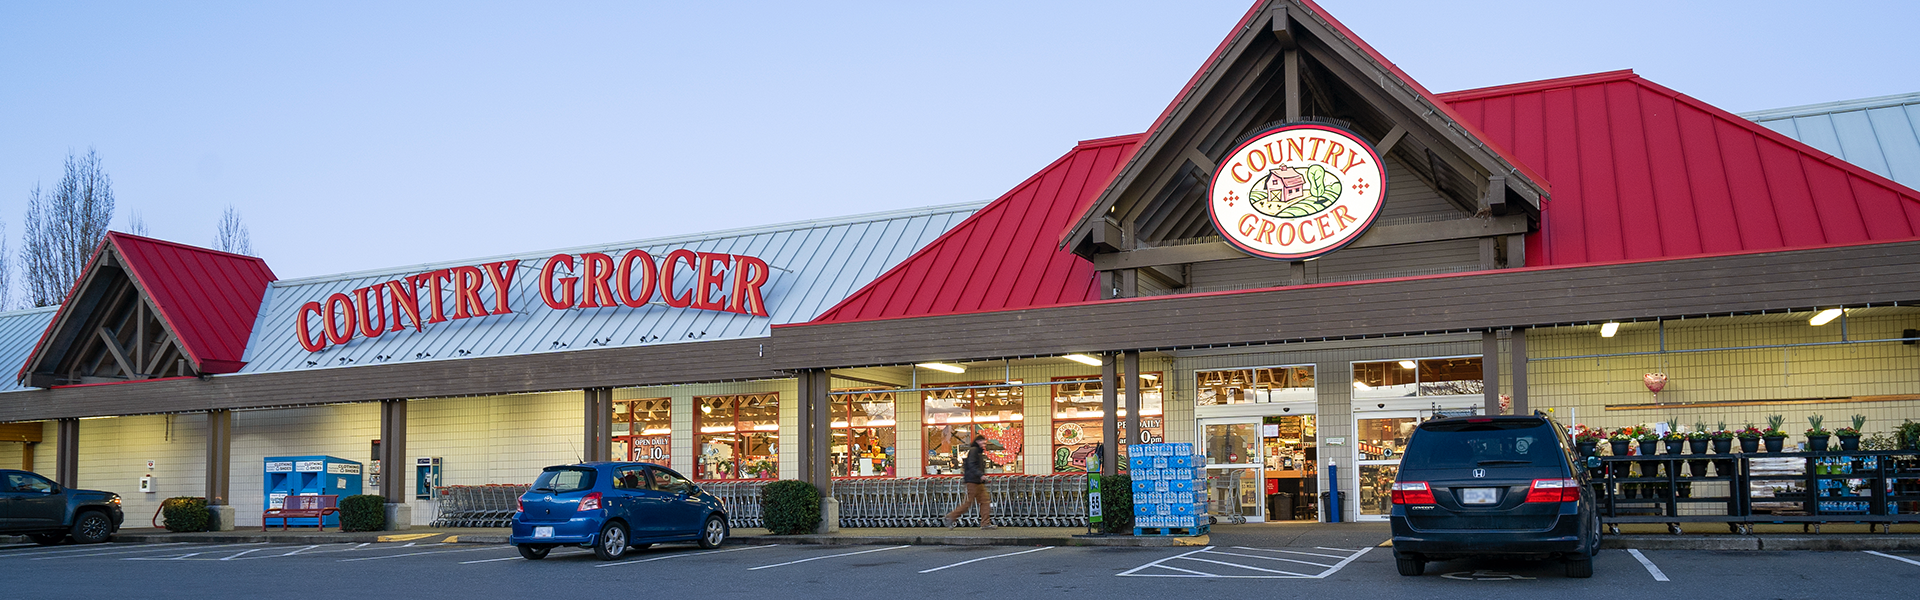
[1879, 134]
[20, 330]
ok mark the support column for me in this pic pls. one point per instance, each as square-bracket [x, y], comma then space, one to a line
[1131, 364]
[803, 428]
[394, 465]
[219, 468]
[821, 468]
[599, 425]
[66, 453]
[26, 455]
[1517, 346]
[1109, 414]
[1490, 370]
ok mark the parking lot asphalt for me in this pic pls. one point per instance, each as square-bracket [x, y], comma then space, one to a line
[441, 570]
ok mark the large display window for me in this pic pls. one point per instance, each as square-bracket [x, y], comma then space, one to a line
[953, 416]
[1077, 415]
[739, 436]
[643, 430]
[1406, 378]
[863, 433]
[1382, 441]
[1254, 386]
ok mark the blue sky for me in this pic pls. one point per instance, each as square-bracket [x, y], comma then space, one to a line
[364, 135]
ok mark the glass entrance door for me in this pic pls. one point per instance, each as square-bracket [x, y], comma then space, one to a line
[1382, 440]
[1234, 470]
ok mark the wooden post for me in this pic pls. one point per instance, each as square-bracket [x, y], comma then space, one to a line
[219, 455]
[1490, 370]
[599, 425]
[1517, 346]
[822, 441]
[804, 430]
[66, 454]
[393, 451]
[1109, 414]
[1290, 69]
[1132, 366]
[26, 455]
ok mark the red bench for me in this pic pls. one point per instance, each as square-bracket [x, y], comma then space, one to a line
[303, 507]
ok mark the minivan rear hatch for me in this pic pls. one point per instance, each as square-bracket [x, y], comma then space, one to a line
[1481, 470]
[556, 494]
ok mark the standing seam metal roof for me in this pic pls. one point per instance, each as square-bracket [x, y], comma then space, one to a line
[814, 265]
[1880, 134]
[19, 332]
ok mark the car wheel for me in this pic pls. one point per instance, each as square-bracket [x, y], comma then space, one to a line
[92, 527]
[47, 539]
[531, 552]
[713, 533]
[1410, 566]
[1580, 568]
[613, 542]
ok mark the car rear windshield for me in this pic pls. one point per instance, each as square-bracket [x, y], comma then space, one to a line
[564, 479]
[1500, 443]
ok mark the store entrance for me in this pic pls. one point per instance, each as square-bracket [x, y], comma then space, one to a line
[1382, 438]
[1261, 468]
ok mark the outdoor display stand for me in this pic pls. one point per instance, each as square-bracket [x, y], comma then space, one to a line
[1169, 489]
[1874, 487]
[309, 476]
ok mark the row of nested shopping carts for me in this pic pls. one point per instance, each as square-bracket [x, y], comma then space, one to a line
[1017, 501]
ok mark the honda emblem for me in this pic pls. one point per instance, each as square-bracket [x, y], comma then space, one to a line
[1479, 473]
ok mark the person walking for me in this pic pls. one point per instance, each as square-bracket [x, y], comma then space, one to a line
[973, 472]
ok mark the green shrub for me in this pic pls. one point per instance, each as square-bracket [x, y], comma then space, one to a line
[1116, 503]
[186, 513]
[365, 512]
[790, 507]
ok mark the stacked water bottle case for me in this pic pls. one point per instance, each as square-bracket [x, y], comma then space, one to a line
[1169, 489]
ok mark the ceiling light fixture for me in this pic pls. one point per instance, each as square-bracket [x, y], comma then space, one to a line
[1609, 329]
[1407, 364]
[1361, 386]
[942, 367]
[1825, 316]
[1083, 359]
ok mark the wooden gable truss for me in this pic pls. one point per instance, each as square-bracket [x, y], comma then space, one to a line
[110, 332]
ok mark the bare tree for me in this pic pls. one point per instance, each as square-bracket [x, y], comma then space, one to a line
[6, 271]
[136, 224]
[63, 226]
[232, 236]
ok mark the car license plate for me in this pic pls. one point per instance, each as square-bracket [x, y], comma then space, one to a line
[1477, 496]
[543, 532]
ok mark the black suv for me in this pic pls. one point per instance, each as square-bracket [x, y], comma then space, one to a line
[31, 505]
[1506, 486]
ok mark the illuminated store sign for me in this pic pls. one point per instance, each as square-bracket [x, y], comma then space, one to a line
[1297, 192]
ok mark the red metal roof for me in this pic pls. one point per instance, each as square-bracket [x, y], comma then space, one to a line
[1642, 172]
[207, 297]
[1005, 256]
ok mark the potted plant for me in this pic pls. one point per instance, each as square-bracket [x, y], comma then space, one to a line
[1673, 438]
[1649, 444]
[1907, 435]
[1697, 446]
[1588, 439]
[1817, 438]
[1619, 439]
[1722, 439]
[1749, 439]
[1774, 436]
[1850, 436]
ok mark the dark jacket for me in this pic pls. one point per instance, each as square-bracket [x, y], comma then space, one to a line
[974, 467]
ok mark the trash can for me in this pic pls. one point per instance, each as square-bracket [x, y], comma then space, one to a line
[1280, 506]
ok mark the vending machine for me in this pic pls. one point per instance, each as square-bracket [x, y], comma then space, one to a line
[309, 476]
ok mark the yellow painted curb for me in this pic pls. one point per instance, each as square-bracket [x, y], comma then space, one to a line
[1385, 544]
[404, 537]
[452, 539]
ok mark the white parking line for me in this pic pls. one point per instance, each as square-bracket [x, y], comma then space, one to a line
[140, 551]
[418, 553]
[1291, 560]
[629, 562]
[1901, 559]
[50, 550]
[795, 562]
[1196, 556]
[244, 553]
[517, 557]
[1157, 564]
[968, 562]
[1333, 556]
[1657, 575]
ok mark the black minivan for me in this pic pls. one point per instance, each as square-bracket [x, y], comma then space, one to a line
[1496, 486]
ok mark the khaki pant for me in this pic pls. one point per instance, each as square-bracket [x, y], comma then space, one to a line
[976, 495]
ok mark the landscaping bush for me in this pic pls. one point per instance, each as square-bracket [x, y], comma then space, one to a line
[1116, 503]
[365, 512]
[186, 513]
[790, 507]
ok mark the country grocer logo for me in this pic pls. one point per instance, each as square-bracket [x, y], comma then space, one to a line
[1297, 192]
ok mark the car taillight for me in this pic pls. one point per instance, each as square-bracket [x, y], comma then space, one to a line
[1412, 492]
[1554, 490]
[519, 505]
[590, 502]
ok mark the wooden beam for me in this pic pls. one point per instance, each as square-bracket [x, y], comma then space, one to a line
[1516, 250]
[140, 332]
[1494, 201]
[1200, 161]
[1290, 64]
[1394, 109]
[1158, 273]
[159, 354]
[20, 432]
[1388, 141]
[119, 355]
[1282, 26]
[1380, 235]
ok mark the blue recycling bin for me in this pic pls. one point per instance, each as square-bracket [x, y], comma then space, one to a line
[309, 476]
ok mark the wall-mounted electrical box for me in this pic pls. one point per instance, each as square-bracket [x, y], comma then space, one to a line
[146, 484]
[426, 470]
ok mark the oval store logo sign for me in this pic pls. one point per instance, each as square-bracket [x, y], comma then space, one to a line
[1297, 192]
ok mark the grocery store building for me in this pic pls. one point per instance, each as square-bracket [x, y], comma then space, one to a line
[1302, 256]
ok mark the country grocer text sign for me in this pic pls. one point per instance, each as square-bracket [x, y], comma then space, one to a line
[706, 281]
[1297, 192]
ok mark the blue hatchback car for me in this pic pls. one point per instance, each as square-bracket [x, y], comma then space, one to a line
[613, 506]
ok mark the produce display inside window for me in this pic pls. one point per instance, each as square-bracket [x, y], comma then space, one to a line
[739, 436]
[643, 430]
[863, 433]
[1289, 450]
[953, 416]
[1254, 386]
[1077, 412]
[1384, 439]
[1455, 376]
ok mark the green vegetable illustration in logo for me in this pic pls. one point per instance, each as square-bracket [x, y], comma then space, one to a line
[1288, 192]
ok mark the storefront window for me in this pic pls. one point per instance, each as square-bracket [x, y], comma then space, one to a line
[1077, 417]
[1456, 376]
[643, 430]
[1250, 386]
[739, 436]
[863, 438]
[953, 416]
